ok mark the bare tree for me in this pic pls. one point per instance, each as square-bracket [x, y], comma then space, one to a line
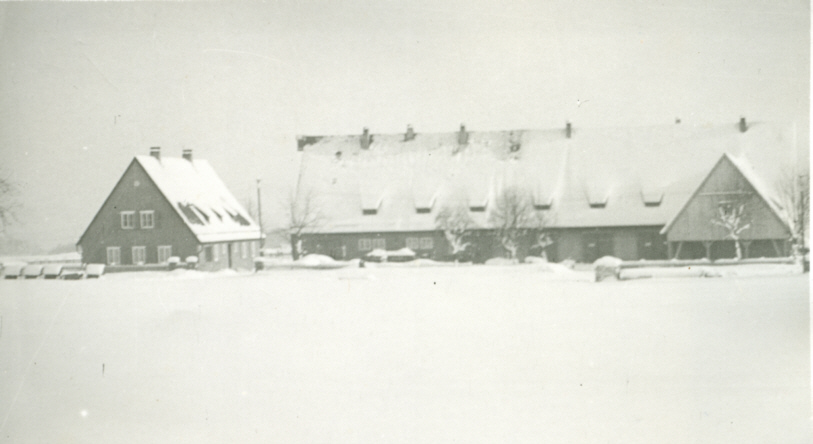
[456, 225]
[303, 215]
[8, 203]
[794, 192]
[515, 220]
[732, 216]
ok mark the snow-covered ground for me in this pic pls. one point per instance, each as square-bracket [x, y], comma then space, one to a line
[405, 355]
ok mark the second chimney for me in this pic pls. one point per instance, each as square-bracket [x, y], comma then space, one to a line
[187, 154]
[156, 152]
[743, 125]
[410, 134]
[462, 136]
[365, 139]
[568, 130]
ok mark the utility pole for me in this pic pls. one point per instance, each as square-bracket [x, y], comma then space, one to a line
[260, 215]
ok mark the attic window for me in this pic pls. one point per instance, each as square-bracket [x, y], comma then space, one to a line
[369, 211]
[423, 210]
[652, 204]
[598, 204]
[478, 209]
[542, 206]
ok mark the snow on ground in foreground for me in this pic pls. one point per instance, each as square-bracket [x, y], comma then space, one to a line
[404, 355]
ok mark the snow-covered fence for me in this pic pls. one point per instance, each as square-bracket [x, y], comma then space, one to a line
[699, 262]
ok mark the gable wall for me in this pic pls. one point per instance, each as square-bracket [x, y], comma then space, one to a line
[105, 230]
[694, 222]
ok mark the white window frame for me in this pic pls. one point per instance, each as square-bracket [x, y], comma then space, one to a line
[127, 220]
[164, 253]
[379, 243]
[427, 243]
[413, 243]
[147, 219]
[215, 253]
[117, 253]
[142, 251]
[365, 244]
[253, 249]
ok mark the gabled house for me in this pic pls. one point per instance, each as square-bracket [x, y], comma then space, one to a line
[164, 207]
[601, 191]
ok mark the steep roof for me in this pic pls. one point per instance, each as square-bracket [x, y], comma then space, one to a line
[200, 198]
[632, 176]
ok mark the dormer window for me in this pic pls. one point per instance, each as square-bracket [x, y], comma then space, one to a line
[652, 198]
[478, 208]
[369, 211]
[542, 206]
[598, 204]
[423, 210]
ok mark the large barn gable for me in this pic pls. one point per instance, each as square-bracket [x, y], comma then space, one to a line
[590, 177]
[732, 182]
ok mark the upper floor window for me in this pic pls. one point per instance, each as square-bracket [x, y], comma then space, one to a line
[147, 219]
[128, 220]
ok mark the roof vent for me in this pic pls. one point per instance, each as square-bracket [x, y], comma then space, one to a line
[366, 139]
[743, 125]
[568, 130]
[156, 152]
[410, 134]
[187, 154]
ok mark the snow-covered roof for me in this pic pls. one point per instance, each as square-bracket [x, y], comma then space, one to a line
[200, 198]
[632, 176]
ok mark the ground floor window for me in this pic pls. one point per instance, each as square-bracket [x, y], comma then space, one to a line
[113, 255]
[365, 244]
[164, 253]
[209, 254]
[379, 243]
[413, 243]
[420, 243]
[139, 255]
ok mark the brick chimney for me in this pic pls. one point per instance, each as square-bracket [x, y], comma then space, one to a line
[568, 130]
[410, 134]
[462, 135]
[743, 125]
[366, 139]
[187, 154]
[156, 152]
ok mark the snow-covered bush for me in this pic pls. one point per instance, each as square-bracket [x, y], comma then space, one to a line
[607, 267]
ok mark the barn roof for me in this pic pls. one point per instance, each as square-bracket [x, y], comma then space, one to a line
[200, 198]
[597, 177]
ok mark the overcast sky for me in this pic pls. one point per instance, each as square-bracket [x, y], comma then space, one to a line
[86, 86]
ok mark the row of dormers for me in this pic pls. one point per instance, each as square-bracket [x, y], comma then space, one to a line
[650, 200]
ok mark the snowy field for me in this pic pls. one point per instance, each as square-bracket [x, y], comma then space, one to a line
[405, 355]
